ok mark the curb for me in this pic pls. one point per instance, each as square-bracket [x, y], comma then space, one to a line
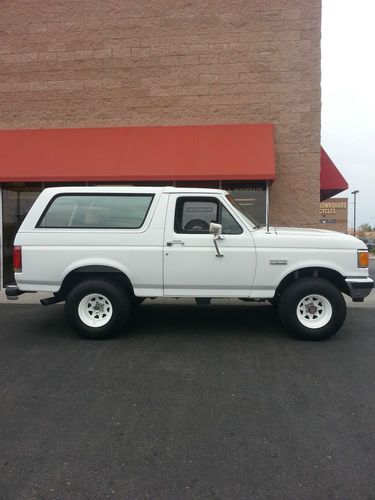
[34, 298]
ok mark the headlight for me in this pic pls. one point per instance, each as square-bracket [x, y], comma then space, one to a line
[362, 258]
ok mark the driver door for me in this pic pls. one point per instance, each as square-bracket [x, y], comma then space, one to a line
[192, 266]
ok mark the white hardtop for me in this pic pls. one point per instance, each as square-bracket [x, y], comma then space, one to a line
[49, 194]
[130, 189]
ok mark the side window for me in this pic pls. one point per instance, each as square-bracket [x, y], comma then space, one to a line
[100, 211]
[193, 216]
[230, 226]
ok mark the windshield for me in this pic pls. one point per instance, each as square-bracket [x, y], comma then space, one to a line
[241, 211]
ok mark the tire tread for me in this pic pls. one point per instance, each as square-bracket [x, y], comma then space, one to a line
[299, 288]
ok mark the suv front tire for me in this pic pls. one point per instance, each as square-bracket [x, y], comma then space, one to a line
[312, 308]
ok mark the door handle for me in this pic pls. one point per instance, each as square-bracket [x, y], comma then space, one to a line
[175, 242]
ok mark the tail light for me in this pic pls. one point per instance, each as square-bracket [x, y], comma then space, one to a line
[17, 259]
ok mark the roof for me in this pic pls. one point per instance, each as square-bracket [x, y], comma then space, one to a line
[204, 152]
[130, 189]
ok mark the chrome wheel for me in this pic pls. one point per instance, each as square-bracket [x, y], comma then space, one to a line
[314, 311]
[95, 310]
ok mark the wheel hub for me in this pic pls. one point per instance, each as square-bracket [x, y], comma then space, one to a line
[95, 310]
[314, 311]
[311, 309]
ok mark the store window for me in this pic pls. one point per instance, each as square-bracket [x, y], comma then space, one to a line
[199, 184]
[18, 197]
[251, 197]
[17, 200]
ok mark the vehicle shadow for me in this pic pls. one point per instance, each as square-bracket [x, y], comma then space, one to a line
[213, 320]
[157, 319]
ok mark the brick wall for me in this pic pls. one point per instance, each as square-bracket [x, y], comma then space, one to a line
[91, 63]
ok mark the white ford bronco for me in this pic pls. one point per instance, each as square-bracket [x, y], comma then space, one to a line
[103, 250]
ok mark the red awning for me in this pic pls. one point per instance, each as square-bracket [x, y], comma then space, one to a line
[213, 152]
[331, 180]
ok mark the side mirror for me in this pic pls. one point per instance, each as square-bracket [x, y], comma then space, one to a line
[215, 229]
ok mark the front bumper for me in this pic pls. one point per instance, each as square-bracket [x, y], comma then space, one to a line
[359, 288]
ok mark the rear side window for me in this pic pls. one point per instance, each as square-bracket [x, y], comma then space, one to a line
[102, 211]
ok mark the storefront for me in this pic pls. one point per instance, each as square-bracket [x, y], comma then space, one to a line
[92, 99]
[239, 158]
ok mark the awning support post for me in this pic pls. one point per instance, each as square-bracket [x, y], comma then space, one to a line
[267, 207]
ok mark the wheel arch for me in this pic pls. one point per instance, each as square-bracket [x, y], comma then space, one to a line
[94, 271]
[328, 274]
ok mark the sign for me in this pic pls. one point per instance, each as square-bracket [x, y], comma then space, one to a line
[332, 206]
[328, 221]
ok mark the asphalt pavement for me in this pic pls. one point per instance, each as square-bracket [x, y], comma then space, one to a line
[192, 403]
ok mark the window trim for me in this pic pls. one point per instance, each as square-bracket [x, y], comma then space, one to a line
[60, 195]
[208, 198]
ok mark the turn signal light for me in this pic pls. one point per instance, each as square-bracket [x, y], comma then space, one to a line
[17, 259]
[362, 258]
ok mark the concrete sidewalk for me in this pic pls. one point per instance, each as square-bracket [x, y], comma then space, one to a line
[34, 298]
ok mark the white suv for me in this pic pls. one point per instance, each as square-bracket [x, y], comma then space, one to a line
[104, 249]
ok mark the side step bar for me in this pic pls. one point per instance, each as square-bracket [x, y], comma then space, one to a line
[51, 300]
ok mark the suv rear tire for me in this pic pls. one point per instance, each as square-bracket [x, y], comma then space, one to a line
[97, 309]
[312, 308]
